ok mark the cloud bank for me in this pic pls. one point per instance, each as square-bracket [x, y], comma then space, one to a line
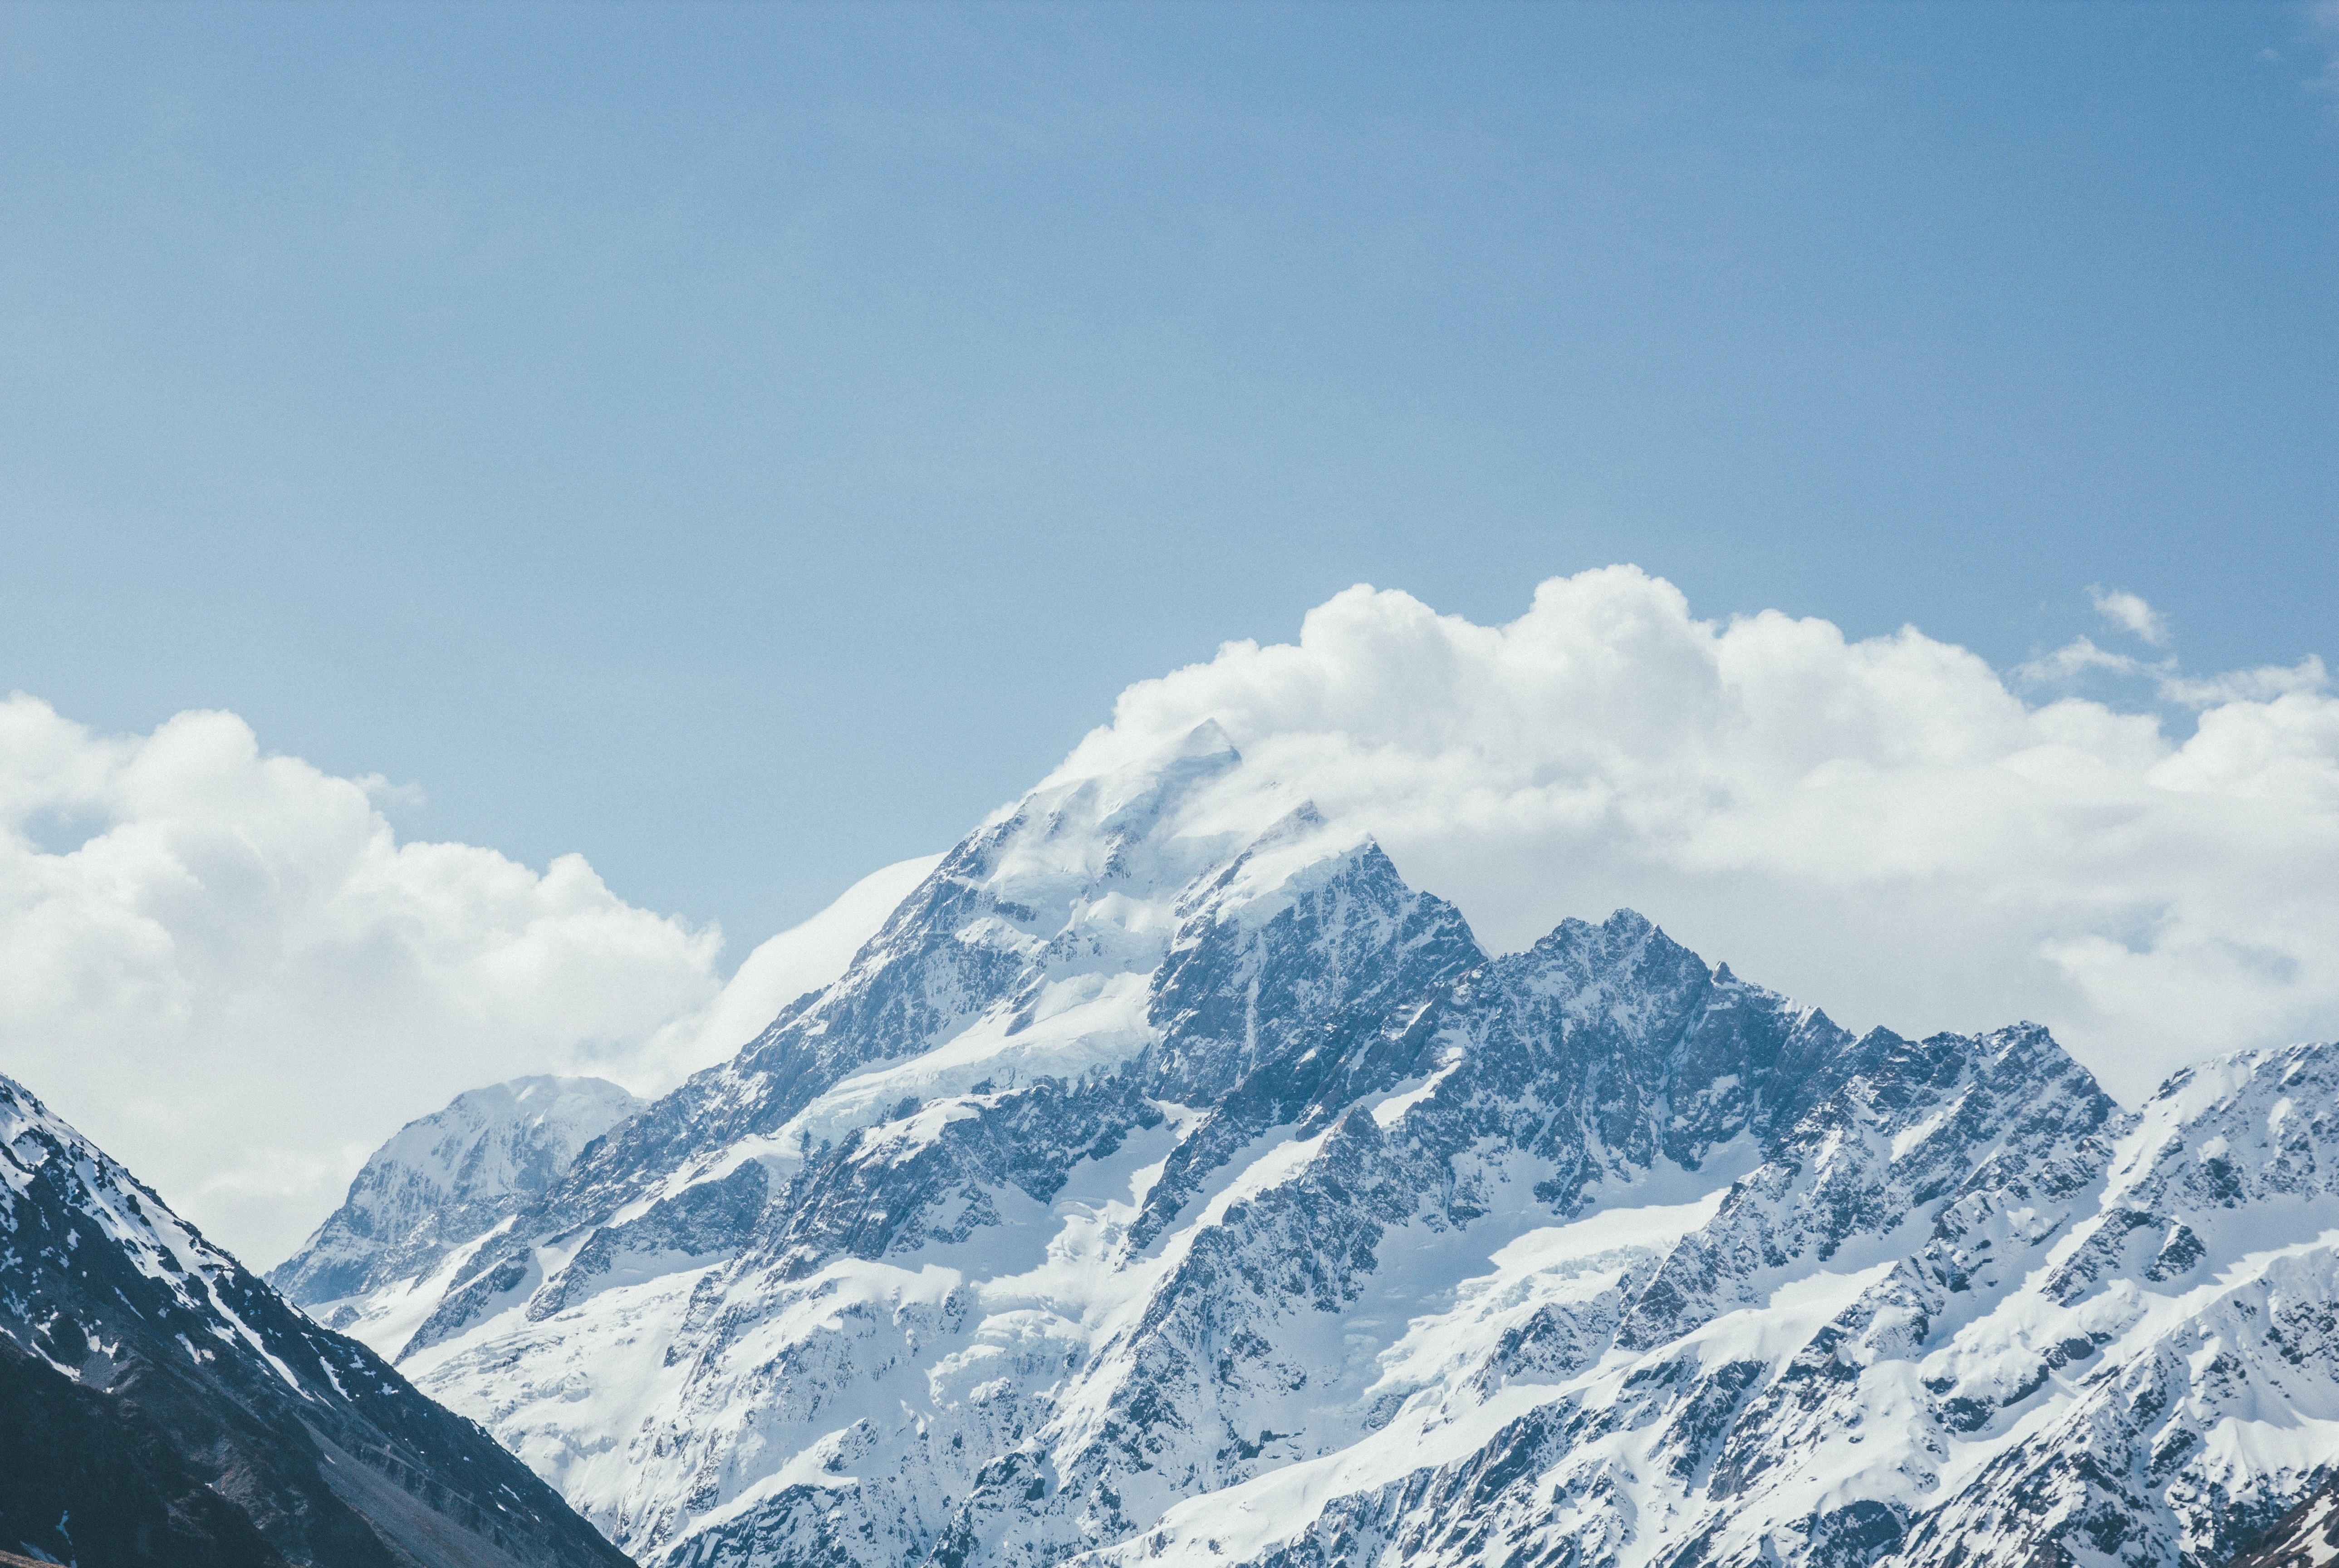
[224, 967]
[1885, 828]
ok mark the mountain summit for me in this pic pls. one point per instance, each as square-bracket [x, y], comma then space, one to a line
[1168, 1180]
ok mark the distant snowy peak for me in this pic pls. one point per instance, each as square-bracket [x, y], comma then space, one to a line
[449, 1179]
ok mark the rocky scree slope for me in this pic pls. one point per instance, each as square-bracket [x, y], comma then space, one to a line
[159, 1403]
[1168, 1179]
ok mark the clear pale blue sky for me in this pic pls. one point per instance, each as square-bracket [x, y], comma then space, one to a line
[746, 444]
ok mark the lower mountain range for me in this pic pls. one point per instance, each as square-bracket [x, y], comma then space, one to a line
[1165, 1178]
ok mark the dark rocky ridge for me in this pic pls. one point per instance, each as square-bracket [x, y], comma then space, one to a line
[85, 1478]
[2305, 1537]
[193, 1415]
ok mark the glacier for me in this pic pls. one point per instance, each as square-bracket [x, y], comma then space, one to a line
[1167, 1180]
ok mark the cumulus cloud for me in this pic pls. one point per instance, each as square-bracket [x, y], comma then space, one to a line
[2131, 614]
[1886, 828]
[223, 966]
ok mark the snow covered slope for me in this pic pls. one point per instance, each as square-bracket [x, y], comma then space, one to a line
[1168, 1179]
[158, 1404]
[444, 1180]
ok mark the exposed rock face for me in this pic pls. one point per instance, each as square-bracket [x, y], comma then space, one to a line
[159, 1403]
[2305, 1537]
[85, 1478]
[1168, 1179]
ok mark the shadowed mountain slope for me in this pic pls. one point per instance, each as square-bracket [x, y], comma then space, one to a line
[163, 1405]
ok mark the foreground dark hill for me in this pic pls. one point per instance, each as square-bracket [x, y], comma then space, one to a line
[161, 1405]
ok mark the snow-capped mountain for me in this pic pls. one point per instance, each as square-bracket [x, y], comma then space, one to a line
[447, 1179]
[158, 1404]
[1168, 1179]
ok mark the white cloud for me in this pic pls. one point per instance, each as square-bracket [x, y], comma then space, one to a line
[241, 982]
[2081, 656]
[1882, 828]
[224, 966]
[2261, 685]
[2077, 658]
[2130, 613]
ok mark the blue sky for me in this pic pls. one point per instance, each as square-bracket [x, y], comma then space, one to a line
[744, 445]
